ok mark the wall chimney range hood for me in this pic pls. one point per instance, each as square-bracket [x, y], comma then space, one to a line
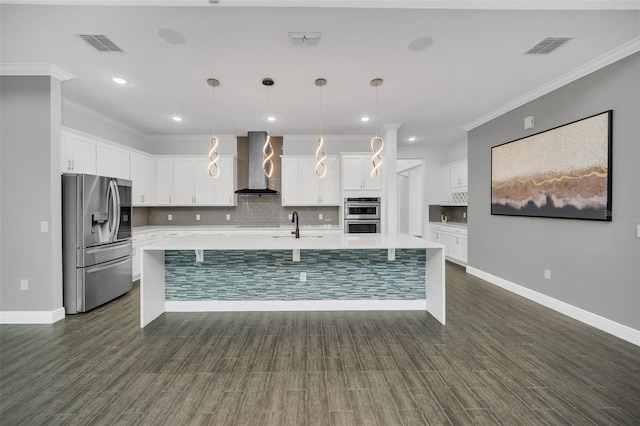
[258, 183]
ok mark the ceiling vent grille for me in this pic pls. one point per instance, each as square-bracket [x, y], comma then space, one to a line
[101, 43]
[304, 39]
[548, 45]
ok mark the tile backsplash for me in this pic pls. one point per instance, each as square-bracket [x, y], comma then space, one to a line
[454, 213]
[256, 211]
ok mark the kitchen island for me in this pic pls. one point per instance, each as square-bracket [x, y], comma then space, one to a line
[227, 272]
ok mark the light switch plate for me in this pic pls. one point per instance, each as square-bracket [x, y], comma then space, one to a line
[44, 226]
[547, 274]
[228, 217]
[638, 231]
[197, 217]
[528, 122]
[169, 217]
[24, 284]
[320, 216]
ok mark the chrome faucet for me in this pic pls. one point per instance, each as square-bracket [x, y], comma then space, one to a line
[294, 219]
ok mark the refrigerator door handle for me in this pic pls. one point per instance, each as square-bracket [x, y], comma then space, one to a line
[118, 207]
[110, 247]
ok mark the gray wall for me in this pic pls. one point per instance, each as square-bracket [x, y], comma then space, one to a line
[30, 192]
[594, 265]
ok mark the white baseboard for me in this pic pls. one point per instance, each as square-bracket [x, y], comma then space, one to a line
[31, 317]
[621, 331]
[295, 305]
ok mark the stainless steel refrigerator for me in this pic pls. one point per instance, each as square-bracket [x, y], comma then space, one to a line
[96, 240]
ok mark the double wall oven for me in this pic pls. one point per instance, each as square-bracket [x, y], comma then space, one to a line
[362, 215]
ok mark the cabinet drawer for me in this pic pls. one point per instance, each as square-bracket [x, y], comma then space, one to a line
[172, 234]
[139, 238]
[152, 236]
[439, 228]
[457, 231]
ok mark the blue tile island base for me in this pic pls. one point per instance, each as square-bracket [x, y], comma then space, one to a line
[255, 272]
[272, 275]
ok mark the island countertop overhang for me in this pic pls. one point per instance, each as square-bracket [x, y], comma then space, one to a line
[286, 242]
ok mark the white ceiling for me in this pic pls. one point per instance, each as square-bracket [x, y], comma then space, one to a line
[475, 64]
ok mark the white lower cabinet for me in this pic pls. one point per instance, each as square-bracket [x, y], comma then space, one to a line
[454, 240]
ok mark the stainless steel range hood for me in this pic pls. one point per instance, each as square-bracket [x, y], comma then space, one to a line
[258, 184]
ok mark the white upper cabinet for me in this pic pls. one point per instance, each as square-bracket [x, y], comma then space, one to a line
[301, 186]
[356, 173]
[112, 161]
[459, 175]
[454, 183]
[78, 154]
[186, 182]
[143, 178]
[164, 181]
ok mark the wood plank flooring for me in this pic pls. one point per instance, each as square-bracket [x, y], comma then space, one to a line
[499, 360]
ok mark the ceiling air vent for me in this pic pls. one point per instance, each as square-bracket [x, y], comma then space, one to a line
[304, 39]
[548, 45]
[101, 43]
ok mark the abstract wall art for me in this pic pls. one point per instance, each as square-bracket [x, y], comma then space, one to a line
[564, 172]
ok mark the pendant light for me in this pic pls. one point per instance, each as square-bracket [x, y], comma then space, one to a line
[213, 169]
[376, 142]
[321, 156]
[267, 149]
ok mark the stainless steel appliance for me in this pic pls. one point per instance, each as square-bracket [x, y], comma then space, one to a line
[362, 215]
[96, 240]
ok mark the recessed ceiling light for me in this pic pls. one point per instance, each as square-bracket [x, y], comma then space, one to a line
[412, 139]
[271, 118]
[119, 80]
[365, 118]
[177, 118]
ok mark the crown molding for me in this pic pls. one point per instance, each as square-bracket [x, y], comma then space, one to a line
[35, 70]
[609, 58]
[189, 138]
[381, 4]
[327, 138]
[75, 106]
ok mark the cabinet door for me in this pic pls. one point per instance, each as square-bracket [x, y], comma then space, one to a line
[183, 190]
[141, 174]
[459, 174]
[445, 187]
[225, 183]
[370, 182]
[463, 249]
[112, 161]
[308, 182]
[78, 154]
[330, 183]
[164, 181]
[289, 181]
[203, 184]
[352, 172]
[454, 246]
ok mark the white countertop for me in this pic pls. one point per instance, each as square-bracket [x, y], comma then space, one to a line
[307, 241]
[234, 228]
[453, 224]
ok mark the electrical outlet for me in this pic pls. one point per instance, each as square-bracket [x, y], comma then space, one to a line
[290, 216]
[44, 226]
[197, 217]
[320, 216]
[24, 284]
[169, 217]
[638, 231]
[547, 274]
[464, 215]
[228, 217]
[303, 276]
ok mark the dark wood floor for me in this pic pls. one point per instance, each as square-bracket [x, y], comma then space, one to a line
[500, 360]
